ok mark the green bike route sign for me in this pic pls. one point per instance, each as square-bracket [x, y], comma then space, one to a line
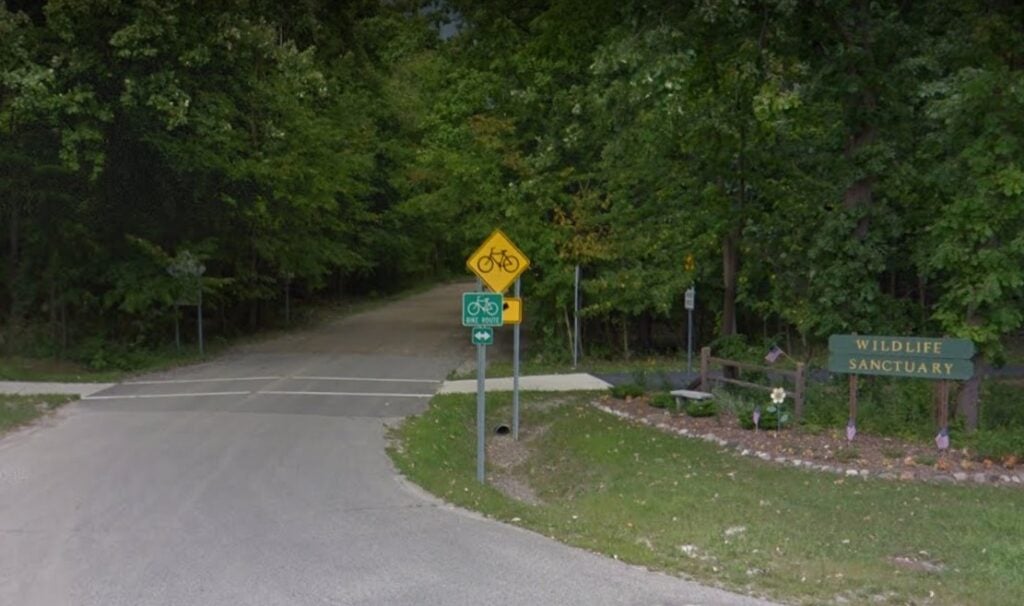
[914, 357]
[481, 309]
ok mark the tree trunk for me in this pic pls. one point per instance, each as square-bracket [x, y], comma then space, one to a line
[625, 337]
[646, 332]
[730, 278]
[63, 327]
[54, 327]
[12, 263]
[860, 193]
[570, 336]
[968, 400]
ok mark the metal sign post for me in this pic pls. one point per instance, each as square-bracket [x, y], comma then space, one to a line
[201, 319]
[691, 296]
[497, 263]
[481, 406]
[481, 411]
[576, 319]
[188, 270]
[515, 373]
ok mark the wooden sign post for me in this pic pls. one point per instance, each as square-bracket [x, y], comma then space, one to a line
[912, 357]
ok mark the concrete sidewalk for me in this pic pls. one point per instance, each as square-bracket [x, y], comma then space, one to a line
[567, 382]
[28, 387]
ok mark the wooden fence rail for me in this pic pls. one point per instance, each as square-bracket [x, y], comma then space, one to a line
[798, 377]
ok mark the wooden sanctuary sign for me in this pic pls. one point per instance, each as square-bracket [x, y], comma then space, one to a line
[912, 357]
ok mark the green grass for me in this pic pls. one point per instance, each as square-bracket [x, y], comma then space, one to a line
[649, 366]
[18, 368]
[678, 505]
[19, 410]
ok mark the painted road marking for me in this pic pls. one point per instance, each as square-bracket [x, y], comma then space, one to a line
[224, 380]
[257, 393]
[367, 379]
[169, 395]
[230, 379]
[345, 393]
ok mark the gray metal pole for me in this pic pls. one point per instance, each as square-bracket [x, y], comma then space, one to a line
[689, 340]
[200, 318]
[515, 373]
[177, 329]
[576, 320]
[288, 302]
[481, 410]
[481, 407]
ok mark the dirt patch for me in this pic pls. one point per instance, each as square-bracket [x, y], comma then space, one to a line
[506, 456]
[867, 455]
[917, 564]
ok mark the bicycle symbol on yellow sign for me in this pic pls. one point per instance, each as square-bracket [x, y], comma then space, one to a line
[500, 259]
[498, 262]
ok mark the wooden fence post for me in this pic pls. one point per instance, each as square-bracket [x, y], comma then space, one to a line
[705, 360]
[800, 387]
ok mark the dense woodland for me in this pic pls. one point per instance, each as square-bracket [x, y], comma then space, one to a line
[831, 165]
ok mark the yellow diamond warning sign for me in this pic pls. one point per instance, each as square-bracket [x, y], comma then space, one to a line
[498, 262]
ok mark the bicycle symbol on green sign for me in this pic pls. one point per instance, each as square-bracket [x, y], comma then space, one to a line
[501, 259]
[486, 305]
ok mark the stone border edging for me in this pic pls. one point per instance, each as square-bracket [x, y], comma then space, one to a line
[960, 477]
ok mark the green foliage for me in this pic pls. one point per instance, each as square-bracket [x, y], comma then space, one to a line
[772, 417]
[663, 400]
[701, 408]
[847, 454]
[627, 390]
[996, 444]
[834, 167]
[926, 460]
[1002, 405]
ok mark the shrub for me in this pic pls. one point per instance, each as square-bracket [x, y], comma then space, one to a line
[1001, 405]
[663, 400]
[772, 417]
[627, 390]
[996, 443]
[701, 408]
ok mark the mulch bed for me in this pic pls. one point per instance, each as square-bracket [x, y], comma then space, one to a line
[867, 456]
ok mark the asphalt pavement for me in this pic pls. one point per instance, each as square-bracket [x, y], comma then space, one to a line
[261, 478]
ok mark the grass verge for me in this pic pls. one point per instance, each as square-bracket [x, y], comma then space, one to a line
[637, 366]
[19, 410]
[688, 507]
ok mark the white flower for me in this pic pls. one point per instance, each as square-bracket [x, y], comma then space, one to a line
[778, 395]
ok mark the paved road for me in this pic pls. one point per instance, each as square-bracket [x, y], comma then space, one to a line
[261, 479]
